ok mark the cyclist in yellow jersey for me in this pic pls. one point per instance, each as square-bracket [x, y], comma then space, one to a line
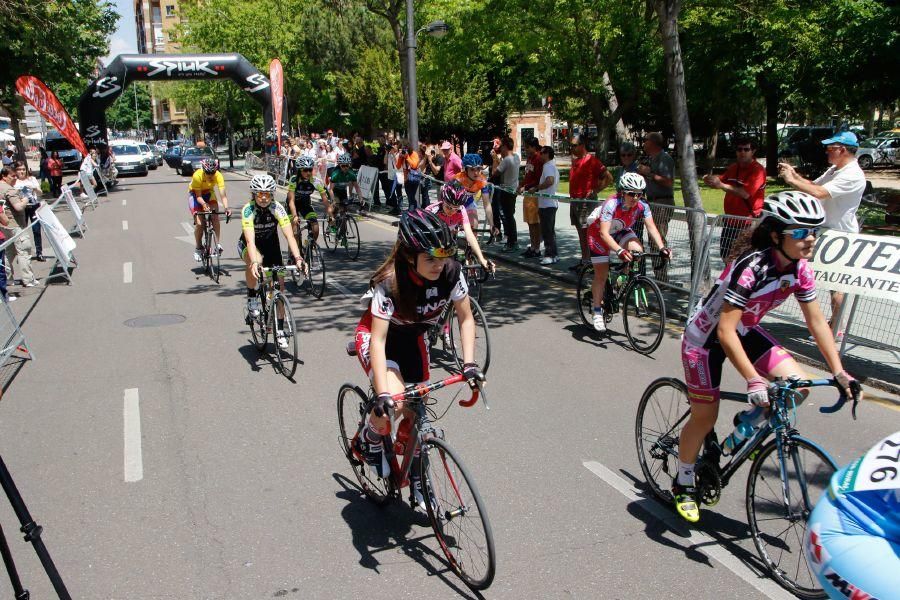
[200, 199]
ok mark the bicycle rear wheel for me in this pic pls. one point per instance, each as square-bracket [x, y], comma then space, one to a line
[458, 515]
[350, 237]
[662, 412]
[645, 315]
[482, 338]
[331, 235]
[351, 408]
[584, 296]
[285, 357]
[780, 498]
[316, 262]
[212, 249]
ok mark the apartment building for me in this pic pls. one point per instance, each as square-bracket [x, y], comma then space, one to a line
[155, 22]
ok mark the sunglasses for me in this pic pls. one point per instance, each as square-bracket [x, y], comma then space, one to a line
[634, 194]
[345, 166]
[801, 233]
[443, 252]
[263, 195]
[306, 170]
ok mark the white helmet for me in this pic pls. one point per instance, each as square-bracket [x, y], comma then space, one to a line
[794, 208]
[262, 183]
[632, 182]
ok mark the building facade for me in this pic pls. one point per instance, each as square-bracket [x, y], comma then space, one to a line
[155, 22]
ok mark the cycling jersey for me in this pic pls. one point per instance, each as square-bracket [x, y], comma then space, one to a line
[476, 188]
[753, 283]
[853, 535]
[203, 185]
[303, 190]
[341, 180]
[455, 220]
[620, 219]
[264, 221]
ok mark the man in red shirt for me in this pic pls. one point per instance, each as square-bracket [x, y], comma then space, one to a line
[587, 177]
[534, 165]
[744, 184]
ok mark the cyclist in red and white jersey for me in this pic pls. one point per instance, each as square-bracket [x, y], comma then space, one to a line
[609, 228]
[768, 264]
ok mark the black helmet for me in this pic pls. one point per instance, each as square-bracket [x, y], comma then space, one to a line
[422, 231]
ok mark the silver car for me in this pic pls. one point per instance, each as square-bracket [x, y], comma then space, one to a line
[878, 152]
[130, 160]
[148, 154]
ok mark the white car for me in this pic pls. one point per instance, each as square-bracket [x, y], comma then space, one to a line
[148, 154]
[130, 159]
[878, 152]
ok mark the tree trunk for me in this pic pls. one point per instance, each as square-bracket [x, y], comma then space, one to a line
[15, 114]
[614, 112]
[770, 93]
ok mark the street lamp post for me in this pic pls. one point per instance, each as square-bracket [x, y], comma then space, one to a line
[436, 29]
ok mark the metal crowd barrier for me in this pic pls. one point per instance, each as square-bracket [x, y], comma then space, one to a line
[684, 231]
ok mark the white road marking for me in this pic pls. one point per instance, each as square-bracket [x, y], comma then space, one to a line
[124, 225]
[124, 202]
[134, 460]
[343, 289]
[126, 272]
[189, 230]
[698, 541]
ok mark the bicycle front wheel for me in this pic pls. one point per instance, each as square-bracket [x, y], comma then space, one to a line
[215, 265]
[316, 263]
[285, 356]
[645, 315]
[457, 515]
[781, 494]
[350, 237]
[351, 407]
[585, 297]
[662, 412]
[482, 338]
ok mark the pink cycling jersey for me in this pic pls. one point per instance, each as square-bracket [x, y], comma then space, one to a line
[620, 219]
[754, 284]
[455, 221]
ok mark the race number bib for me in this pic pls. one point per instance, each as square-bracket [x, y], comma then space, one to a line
[879, 469]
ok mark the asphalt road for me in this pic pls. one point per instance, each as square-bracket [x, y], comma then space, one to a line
[174, 462]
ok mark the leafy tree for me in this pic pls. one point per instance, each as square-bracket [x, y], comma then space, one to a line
[121, 115]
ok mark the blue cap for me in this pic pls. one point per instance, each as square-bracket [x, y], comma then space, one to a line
[847, 138]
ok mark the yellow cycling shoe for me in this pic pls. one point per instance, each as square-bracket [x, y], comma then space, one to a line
[685, 502]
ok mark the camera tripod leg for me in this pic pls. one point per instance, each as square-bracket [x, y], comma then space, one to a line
[32, 533]
[18, 590]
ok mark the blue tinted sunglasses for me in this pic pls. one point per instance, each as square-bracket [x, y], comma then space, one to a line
[802, 233]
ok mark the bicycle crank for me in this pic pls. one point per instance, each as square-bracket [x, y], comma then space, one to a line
[708, 483]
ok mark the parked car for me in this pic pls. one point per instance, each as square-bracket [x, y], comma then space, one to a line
[190, 160]
[130, 159]
[157, 155]
[71, 157]
[173, 157]
[148, 154]
[162, 146]
[877, 152]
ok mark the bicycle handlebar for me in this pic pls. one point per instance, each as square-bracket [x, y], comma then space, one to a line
[216, 212]
[794, 383]
[420, 391]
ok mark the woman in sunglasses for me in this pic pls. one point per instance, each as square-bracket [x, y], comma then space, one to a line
[768, 264]
[610, 229]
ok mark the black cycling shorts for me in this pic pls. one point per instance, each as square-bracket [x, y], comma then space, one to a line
[269, 248]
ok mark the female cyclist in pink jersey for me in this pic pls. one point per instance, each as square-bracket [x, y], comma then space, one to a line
[610, 229]
[449, 209]
[767, 265]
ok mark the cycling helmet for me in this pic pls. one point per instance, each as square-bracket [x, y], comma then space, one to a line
[452, 194]
[632, 182]
[422, 231]
[472, 160]
[793, 208]
[344, 159]
[305, 162]
[209, 165]
[262, 183]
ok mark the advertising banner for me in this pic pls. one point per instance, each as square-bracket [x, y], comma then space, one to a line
[867, 265]
[276, 80]
[45, 102]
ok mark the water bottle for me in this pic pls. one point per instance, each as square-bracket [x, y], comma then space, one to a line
[746, 424]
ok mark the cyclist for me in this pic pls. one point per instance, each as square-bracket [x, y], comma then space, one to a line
[472, 179]
[609, 228]
[258, 245]
[768, 263]
[449, 209]
[406, 296]
[337, 181]
[200, 199]
[853, 535]
[300, 190]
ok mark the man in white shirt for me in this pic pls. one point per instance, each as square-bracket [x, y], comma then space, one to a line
[547, 205]
[840, 189]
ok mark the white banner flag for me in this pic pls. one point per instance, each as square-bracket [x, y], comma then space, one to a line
[60, 237]
[867, 265]
[366, 178]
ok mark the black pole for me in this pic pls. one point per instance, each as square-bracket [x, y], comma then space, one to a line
[19, 592]
[32, 531]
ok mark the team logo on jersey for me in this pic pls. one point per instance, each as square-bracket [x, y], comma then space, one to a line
[815, 552]
[847, 589]
[616, 225]
[431, 293]
[248, 212]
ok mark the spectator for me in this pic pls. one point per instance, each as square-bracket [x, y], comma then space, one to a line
[534, 164]
[8, 158]
[395, 175]
[840, 188]
[506, 174]
[106, 162]
[4, 294]
[55, 167]
[376, 160]
[744, 184]
[30, 189]
[435, 165]
[587, 177]
[426, 169]
[359, 154]
[627, 162]
[88, 166]
[43, 170]
[452, 161]
[548, 205]
[14, 208]
[660, 175]
[408, 162]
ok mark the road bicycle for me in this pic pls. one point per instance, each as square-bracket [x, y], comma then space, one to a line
[455, 508]
[342, 231]
[446, 332]
[788, 473]
[314, 274]
[630, 289]
[476, 275]
[210, 255]
[272, 303]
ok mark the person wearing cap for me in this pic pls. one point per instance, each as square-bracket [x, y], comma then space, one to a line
[452, 161]
[840, 189]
